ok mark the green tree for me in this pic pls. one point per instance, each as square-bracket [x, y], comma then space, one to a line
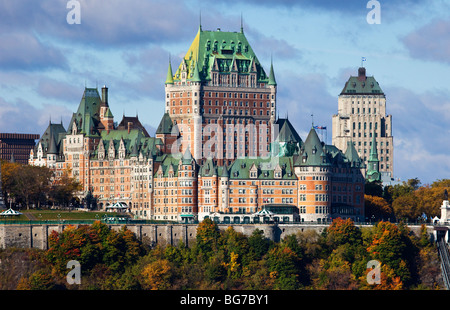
[258, 244]
[284, 265]
[207, 237]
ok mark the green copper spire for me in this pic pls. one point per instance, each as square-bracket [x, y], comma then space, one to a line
[169, 78]
[196, 74]
[272, 80]
[373, 164]
[373, 149]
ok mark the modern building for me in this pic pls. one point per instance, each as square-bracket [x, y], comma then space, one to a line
[362, 116]
[17, 146]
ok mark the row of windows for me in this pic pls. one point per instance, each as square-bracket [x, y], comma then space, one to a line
[245, 95]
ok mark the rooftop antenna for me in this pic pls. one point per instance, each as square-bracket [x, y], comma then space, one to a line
[312, 120]
[200, 21]
[242, 24]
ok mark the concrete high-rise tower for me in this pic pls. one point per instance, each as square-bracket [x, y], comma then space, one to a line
[362, 114]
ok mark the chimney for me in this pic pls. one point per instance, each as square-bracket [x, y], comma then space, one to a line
[362, 74]
[105, 95]
[130, 125]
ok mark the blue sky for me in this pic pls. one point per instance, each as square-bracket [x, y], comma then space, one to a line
[45, 62]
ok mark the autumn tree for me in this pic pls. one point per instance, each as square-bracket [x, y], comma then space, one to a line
[157, 275]
[63, 188]
[93, 245]
[27, 184]
[377, 206]
[390, 247]
[406, 207]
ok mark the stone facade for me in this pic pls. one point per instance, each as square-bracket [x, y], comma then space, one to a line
[361, 115]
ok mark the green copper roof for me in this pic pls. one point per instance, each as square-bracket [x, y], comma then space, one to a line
[264, 167]
[362, 84]
[313, 152]
[135, 141]
[287, 132]
[168, 162]
[352, 155]
[219, 51]
[373, 150]
[169, 78]
[208, 169]
[108, 113]
[51, 139]
[272, 80]
[166, 125]
[87, 117]
[373, 164]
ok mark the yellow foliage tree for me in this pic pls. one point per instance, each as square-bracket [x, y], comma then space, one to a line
[157, 275]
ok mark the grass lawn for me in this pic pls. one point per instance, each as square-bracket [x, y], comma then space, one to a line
[42, 215]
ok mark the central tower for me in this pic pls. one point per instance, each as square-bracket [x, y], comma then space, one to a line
[221, 99]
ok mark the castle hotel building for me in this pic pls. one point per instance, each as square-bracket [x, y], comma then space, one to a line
[218, 152]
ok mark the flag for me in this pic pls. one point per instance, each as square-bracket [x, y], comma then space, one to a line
[320, 127]
[363, 59]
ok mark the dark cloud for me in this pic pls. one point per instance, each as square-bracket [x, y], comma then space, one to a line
[430, 42]
[23, 51]
[107, 23]
[22, 117]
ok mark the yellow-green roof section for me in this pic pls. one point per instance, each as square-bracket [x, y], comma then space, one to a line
[219, 51]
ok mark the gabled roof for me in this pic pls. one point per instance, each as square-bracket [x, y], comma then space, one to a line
[240, 168]
[135, 141]
[166, 125]
[287, 132]
[51, 139]
[87, 117]
[208, 169]
[187, 157]
[135, 124]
